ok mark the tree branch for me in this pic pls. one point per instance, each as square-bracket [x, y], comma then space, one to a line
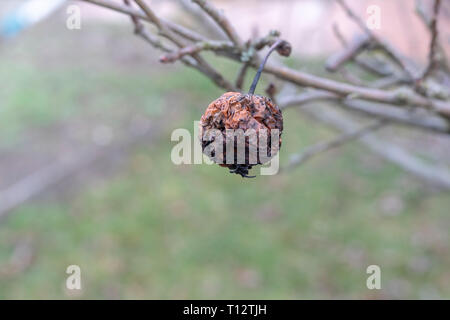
[348, 53]
[222, 21]
[311, 151]
[420, 109]
[415, 118]
[382, 43]
[432, 52]
[401, 96]
[176, 28]
[241, 75]
[432, 174]
[374, 67]
[202, 64]
[196, 48]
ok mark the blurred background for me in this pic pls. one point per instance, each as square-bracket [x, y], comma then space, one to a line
[86, 177]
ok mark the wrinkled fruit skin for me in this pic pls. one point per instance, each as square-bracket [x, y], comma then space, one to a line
[234, 110]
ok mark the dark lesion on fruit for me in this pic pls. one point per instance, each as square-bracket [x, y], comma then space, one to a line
[241, 169]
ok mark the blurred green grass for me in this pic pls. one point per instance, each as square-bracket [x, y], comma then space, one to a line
[156, 230]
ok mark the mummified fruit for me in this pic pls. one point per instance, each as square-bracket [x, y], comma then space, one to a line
[246, 122]
[256, 116]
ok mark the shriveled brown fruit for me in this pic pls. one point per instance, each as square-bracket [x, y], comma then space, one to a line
[253, 116]
[234, 110]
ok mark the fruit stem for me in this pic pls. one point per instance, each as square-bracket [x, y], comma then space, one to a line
[261, 67]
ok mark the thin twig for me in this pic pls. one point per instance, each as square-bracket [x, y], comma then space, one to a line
[176, 28]
[414, 118]
[350, 77]
[349, 53]
[203, 66]
[388, 81]
[306, 97]
[399, 97]
[271, 91]
[241, 75]
[432, 54]
[141, 31]
[383, 44]
[222, 21]
[252, 46]
[311, 151]
[204, 21]
[420, 10]
[197, 47]
[374, 67]
[274, 47]
[431, 173]
[151, 15]
[267, 40]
